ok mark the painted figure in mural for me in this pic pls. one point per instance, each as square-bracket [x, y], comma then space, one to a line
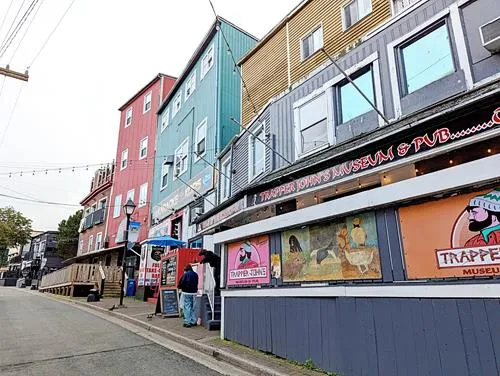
[245, 256]
[358, 233]
[359, 255]
[484, 217]
[294, 244]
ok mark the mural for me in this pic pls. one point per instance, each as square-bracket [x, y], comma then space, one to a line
[345, 249]
[248, 262]
[462, 236]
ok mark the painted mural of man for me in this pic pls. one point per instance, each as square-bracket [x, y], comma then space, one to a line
[484, 217]
[245, 255]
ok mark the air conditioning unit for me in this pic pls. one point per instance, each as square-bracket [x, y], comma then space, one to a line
[490, 35]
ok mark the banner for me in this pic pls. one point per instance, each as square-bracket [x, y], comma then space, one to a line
[149, 267]
[248, 262]
[340, 250]
[133, 231]
[453, 237]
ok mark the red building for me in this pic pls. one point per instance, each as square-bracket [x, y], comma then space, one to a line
[135, 156]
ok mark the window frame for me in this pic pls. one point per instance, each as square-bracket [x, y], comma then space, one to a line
[251, 141]
[98, 241]
[80, 246]
[165, 116]
[117, 208]
[184, 143]
[338, 97]
[100, 206]
[191, 81]
[129, 195]
[343, 9]
[307, 35]
[141, 148]
[143, 200]
[127, 123]
[210, 51]
[204, 122]
[122, 167]
[225, 179]
[150, 95]
[90, 245]
[165, 170]
[179, 97]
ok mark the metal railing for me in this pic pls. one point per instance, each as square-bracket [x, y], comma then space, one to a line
[209, 287]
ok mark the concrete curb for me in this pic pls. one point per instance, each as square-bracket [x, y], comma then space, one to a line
[221, 355]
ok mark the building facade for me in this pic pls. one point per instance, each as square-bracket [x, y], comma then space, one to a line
[135, 156]
[376, 222]
[194, 125]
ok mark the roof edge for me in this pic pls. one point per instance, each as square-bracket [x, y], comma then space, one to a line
[138, 93]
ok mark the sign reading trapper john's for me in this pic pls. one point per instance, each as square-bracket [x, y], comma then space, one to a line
[248, 262]
[453, 237]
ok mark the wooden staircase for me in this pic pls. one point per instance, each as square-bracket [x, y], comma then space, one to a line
[111, 289]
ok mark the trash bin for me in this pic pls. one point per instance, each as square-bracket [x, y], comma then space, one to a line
[131, 287]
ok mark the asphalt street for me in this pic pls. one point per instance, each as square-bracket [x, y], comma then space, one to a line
[40, 336]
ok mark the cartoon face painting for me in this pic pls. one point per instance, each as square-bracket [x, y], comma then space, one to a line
[484, 218]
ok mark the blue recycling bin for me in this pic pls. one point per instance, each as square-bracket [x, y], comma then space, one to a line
[131, 287]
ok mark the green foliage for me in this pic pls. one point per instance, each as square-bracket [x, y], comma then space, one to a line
[15, 228]
[67, 238]
[3, 256]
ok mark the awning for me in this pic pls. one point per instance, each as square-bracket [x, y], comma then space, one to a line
[164, 241]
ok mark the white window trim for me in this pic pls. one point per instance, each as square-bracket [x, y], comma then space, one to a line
[128, 195]
[80, 247]
[185, 141]
[131, 117]
[144, 102]
[167, 168]
[100, 241]
[115, 206]
[202, 72]
[101, 200]
[121, 160]
[318, 26]
[174, 112]
[224, 178]
[90, 245]
[250, 153]
[342, 13]
[140, 148]
[166, 114]
[192, 76]
[140, 203]
[203, 122]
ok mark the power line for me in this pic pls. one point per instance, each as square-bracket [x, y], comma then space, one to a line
[51, 33]
[5, 17]
[12, 24]
[26, 31]
[11, 115]
[38, 201]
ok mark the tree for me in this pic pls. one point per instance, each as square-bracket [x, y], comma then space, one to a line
[67, 238]
[15, 230]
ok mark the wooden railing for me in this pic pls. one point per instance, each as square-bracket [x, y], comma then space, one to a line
[80, 274]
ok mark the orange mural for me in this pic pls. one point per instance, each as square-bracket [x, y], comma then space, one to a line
[453, 237]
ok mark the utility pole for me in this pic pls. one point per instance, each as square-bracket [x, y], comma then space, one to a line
[13, 74]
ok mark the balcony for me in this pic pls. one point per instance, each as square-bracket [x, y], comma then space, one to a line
[94, 219]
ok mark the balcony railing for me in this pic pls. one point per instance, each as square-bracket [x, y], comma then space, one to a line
[93, 219]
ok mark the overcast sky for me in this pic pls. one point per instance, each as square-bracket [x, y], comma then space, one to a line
[101, 54]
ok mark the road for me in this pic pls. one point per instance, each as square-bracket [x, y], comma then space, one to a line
[40, 336]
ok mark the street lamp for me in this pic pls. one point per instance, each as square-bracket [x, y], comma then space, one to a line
[128, 209]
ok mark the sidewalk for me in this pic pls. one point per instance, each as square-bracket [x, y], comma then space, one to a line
[198, 338]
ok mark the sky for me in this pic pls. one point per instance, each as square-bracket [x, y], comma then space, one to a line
[101, 54]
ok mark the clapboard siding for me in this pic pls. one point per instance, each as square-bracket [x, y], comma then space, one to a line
[372, 336]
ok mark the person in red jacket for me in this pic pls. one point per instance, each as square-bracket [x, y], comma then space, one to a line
[484, 217]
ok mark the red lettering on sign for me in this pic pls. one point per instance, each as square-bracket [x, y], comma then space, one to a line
[496, 116]
[403, 149]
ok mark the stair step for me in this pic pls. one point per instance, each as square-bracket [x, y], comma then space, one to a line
[213, 325]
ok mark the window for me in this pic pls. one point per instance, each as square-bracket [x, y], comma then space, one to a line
[356, 10]
[312, 42]
[128, 117]
[201, 136]
[147, 102]
[425, 59]
[164, 176]
[98, 241]
[130, 195]
[143, 148]
[177, 105]
[80, 247]
[102, 203]
[181, 158]
[117, 207]
[123, 165]
[257, 152]
[190, 85]
[143, 194]
[164, 119]
[207, 61]
[91, 241]
[226, 178]
[351, 103]
[311, 125]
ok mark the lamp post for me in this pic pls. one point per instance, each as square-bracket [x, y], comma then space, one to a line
[128, 209]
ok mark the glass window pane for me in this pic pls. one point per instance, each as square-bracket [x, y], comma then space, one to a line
[314, 137]
[313, 111]
[258, 153]
[318, 39]
[305, 48]
[427, 59]
[352, 102]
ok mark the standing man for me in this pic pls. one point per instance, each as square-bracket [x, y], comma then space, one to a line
[189, 286]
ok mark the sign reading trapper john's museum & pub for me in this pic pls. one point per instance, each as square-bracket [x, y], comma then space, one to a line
[455, 131]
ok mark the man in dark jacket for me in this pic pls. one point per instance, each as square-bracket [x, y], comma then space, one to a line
[189, 286]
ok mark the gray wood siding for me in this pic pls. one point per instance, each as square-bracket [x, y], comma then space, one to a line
[373, 336]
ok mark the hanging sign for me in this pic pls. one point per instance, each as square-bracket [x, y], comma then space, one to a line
[237, 207]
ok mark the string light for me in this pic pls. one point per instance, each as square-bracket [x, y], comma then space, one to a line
[489, 151]
[451, 161]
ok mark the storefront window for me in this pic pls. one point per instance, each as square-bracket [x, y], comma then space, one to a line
[196, 243]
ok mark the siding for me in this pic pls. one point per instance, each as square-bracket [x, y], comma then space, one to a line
[372, 336]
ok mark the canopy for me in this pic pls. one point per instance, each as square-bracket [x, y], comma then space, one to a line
[164, 241]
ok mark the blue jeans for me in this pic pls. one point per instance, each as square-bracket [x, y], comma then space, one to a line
[189, 309]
